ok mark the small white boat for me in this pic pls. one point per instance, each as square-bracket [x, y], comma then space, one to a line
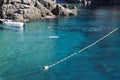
[14, 25]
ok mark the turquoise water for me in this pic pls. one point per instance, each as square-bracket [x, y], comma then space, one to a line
[23, 54]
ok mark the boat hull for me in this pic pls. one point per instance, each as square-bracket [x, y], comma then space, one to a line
[16, 25]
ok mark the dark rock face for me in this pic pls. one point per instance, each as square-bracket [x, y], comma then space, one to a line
[73, 1]
[26, 10]
[56, 11]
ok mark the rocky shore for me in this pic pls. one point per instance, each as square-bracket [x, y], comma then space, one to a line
[27, 10]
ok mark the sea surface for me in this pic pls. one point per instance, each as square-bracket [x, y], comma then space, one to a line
[23, 54]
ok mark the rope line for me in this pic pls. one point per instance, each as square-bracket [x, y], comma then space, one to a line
[58, 62]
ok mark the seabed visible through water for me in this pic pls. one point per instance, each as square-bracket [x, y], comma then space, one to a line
[23, 55]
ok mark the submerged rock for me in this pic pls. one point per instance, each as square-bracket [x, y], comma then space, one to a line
[27, 10]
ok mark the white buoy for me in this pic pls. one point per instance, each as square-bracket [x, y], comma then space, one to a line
[53, 37]
[46, 67]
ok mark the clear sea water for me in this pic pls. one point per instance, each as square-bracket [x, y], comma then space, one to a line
[24, 54]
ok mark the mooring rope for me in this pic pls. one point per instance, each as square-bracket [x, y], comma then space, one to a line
[60, 61]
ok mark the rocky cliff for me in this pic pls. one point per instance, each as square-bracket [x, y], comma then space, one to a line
[27, 10]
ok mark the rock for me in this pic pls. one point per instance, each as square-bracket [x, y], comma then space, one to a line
[31, 13]
[15, 1]
[23, 6]
[73, 1]
[27, 10]
[62, 11]
[19, 18]
[48, 4]
[5, 1]
[44, 11]
[65, 5]
[9, 8]
[56, 11]
[26, 2]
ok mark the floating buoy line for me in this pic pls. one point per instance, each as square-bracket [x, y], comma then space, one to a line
[83, 28]
[47, 67]
[66, 58]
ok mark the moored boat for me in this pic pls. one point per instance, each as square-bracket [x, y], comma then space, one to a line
[9, 24]
[19, 25]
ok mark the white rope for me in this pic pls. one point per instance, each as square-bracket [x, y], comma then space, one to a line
[58, 62]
